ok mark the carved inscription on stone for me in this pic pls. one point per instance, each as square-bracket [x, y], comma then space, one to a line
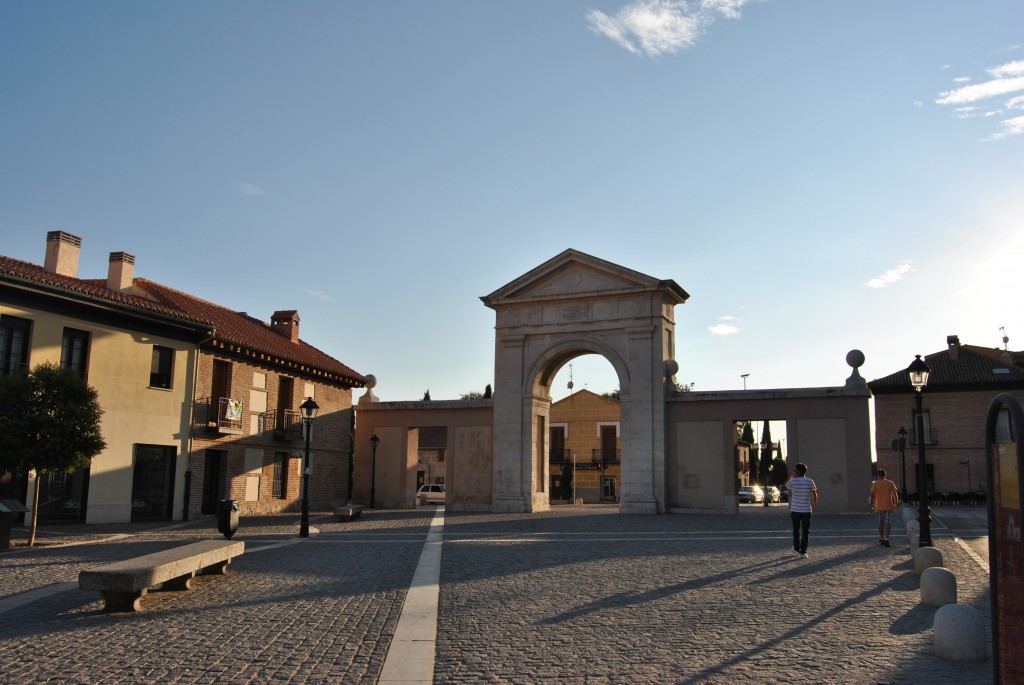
[575, 312]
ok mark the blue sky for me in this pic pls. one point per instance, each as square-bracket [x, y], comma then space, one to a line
[819, 176]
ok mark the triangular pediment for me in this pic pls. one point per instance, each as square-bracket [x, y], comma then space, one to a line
[574, 274]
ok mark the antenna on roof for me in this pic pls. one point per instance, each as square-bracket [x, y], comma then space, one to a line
[1006, 338]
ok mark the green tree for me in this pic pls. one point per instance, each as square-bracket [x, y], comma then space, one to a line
[766, 458]
[49, 422]
[472, 395]
[488, 393]
[426, 395]
[613, 395]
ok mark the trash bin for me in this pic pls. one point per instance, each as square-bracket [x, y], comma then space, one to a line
[8, 508]
[227, 517]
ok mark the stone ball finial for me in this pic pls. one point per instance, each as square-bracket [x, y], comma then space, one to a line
[671, 367]
[855, 358]
[371, 381]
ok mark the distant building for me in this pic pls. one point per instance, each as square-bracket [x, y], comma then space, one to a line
[200, 402]
[584, 437]
[963, 381]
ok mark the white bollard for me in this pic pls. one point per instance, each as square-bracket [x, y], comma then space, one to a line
[915, 542]
[913, 527]
[938, 587]
[926, 557]
[959, 633]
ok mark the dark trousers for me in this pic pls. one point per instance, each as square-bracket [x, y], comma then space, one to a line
[801, 527]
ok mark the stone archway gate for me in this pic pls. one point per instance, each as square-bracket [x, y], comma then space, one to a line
[576, 304]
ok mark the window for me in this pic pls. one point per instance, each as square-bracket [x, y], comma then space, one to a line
[74, 351]
[929, 434]
[162, 367]
[1004, 427]
[14, 339]
[280, 475]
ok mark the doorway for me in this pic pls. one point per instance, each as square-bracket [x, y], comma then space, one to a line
[213, 480]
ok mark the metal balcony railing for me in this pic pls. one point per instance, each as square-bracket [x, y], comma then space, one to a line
[286, 424]
[601, 456]
[223, 416]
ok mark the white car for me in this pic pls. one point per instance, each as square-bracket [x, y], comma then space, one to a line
[431, 494]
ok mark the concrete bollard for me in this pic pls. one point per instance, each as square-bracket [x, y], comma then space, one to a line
[913, 527]
[938, 587]
[579, 502]
[959, 634]
[926, 557]
[915, 542]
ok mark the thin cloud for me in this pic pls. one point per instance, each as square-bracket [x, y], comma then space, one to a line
[248, 189]
[891, 276]
[726, 327]
[318, 295]
[659, 27]
[1004, 79]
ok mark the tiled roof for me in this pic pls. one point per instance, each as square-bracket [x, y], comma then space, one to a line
[242, 334]
[16, 271]
[971, 370]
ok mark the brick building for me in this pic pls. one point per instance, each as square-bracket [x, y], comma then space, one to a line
[584, 435]
[247, 432]
[963, 381]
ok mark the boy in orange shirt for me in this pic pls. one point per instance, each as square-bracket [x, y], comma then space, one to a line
[884, 500]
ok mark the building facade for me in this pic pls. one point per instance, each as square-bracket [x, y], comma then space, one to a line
[962, 383]
[138, 355]
[201, 403]
[584, 437]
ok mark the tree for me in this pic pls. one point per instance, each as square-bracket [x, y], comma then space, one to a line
[488, 393]
[426, 395]
[613, 395]
[49, 422]
[471, 395]
[766, 458]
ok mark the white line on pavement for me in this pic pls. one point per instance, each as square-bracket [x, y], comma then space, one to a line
[410, 657]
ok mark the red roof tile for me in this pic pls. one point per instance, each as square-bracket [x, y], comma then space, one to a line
[255, 337]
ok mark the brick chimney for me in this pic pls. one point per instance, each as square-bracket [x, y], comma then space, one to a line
[953, 341]
[62, 250]
[121, 272]
[286, 323]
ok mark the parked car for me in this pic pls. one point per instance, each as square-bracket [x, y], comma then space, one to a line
[772, 493]
[751, 494]
[431, 494]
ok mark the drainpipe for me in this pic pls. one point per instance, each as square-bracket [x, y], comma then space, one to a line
[191, 419]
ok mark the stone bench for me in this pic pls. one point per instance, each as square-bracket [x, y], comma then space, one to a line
[348, 512]
[123, 584]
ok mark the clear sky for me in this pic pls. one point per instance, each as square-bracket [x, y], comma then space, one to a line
[819, 176]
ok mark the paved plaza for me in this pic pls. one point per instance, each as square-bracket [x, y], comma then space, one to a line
[576, 595]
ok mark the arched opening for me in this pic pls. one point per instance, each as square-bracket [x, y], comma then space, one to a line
[585, 433]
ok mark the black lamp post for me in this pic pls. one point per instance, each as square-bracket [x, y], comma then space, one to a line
[919, 371]
[309, 409]
[901, 447]
[374, 441]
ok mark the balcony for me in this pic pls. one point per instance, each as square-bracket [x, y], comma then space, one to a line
[286, 424]
[223, 416]
[601, 456]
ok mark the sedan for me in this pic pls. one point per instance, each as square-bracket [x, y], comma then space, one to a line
[751, 494]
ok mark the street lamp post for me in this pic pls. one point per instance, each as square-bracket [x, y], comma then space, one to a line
[309, 409]
[374, 441]
[919, 372]
[901, 446]
[744, 377]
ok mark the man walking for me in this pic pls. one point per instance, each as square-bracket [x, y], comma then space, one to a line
[803, 497]
[884, 501]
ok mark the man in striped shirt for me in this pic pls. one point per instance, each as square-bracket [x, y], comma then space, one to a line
[803, 497]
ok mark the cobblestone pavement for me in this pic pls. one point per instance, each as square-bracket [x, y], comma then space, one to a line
[577, 595]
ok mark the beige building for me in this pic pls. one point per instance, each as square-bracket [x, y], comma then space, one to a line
[584, 438]
[139, 356]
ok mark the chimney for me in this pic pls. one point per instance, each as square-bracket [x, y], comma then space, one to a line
[62, 250]
[286, 323]
[121, 272]
[953, 342]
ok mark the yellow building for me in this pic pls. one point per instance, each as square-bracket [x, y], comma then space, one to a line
[137, 354]
[584, 437]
